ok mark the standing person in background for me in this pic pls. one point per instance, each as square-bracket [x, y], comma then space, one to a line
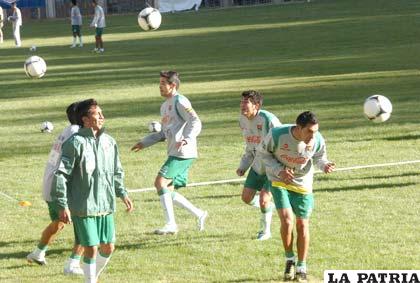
[76, 23]
[16, 19]
[86, 184]
[1, 24]
[180, 127]
[289, 153]
[98, 23]
[255, 124]
[72, 265]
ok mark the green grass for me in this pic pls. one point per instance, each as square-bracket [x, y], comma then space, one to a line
[326, 56]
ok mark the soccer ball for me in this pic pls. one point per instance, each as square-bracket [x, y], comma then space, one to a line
[149, 19]
[377, 108]
[35, 67]
[46, 127]
[32, 48]
[155, 127]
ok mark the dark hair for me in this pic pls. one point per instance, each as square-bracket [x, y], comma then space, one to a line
[254, 96]
[72, 113]
[83, 108]
[95, 2]
[306, 118]
[171, 77]
[74, 2]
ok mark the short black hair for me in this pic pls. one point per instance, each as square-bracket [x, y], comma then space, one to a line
[95, 2]
[74, 2]
[253, 95]
[72, 113]
[306, 118]
[83, 108]
[171, 77]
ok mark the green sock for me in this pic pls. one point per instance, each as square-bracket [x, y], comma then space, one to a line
[301, 266]
[75, 256]
[163, 191]
[289, 254]
[42, 247]
[89, 260]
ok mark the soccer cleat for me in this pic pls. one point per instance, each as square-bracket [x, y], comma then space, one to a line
[202, 220]
[95, 50]
[72, 270]
[73, 46]
[167, 229]
[39, 259]
[261, 236]
[101, 50]
[289, 272]
[301, 277]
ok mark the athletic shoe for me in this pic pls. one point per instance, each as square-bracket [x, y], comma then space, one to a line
[167, 229]
[39, 259]
[301, 277]
[261, 236]
[72, 270]
[101, 50]
[73, 46]
[81, 45]
[289, 272]
[95, 50]
[202, 220]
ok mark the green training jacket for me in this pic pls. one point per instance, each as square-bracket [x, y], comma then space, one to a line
[90, 175]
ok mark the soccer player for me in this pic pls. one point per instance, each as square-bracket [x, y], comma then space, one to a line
[76, 24]
[180, 127]
[72, 265]
[85, 187]
[16, 19]
[255, 124]
[1, 24]
[98, 23]
[290, 153]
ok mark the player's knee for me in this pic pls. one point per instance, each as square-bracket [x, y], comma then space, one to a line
[302, 226]
[107, 249]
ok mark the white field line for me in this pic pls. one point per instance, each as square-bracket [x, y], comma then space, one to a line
[8, 197]
[238, 180]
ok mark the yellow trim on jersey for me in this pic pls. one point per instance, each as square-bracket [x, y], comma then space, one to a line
[290, 187]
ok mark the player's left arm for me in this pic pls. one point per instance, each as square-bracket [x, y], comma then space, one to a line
[320, 156]
[193, 127]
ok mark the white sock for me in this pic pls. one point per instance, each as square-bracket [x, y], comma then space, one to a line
[168, 208]
[38, 252]
[266, 218]
[89, 271]
[181, 201]
[80, 40]
[101, 262]
[73, 262]
[74, 40]
[255, 202]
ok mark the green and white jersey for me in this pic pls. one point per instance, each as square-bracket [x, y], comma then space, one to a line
[179, 122]
[254, 131]
[99, 17]
[54, 160]
[280, 150]
[76, 16]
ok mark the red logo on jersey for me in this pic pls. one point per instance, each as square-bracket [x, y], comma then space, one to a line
[285, 146]
[259, 127]
[253, 139]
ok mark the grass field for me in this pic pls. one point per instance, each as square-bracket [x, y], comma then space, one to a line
[326, 56]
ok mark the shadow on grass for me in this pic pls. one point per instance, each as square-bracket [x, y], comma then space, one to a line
[367, 187]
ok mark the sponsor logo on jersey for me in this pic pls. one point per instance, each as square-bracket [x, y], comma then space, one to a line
[293, 159]
[253, 139]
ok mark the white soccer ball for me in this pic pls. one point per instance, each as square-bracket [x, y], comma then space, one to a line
[149, 19]
[377, 108]
[155, 127]
[32, 48]
[47, 127]
[35, 67]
